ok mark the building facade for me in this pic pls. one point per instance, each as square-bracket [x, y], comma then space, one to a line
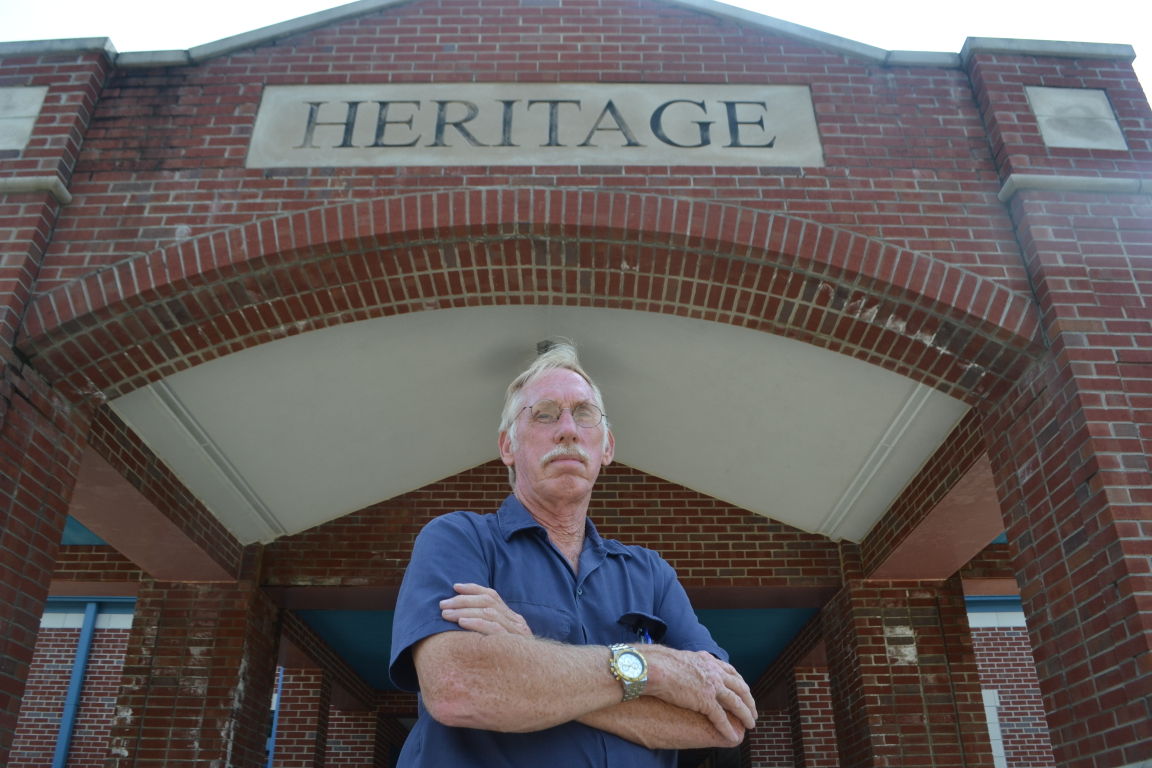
[860, 313]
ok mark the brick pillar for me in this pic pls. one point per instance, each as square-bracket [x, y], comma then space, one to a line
[199, 674]
[1070, 445]
[39, 436]
[1004, 656]
[810, 714]
[770, 744]
[352, 739]
[905, 685]
[1072, 470]
[40, 446]
[1070, 449]
[302, 719]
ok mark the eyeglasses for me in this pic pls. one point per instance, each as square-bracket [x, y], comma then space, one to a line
[549, 412]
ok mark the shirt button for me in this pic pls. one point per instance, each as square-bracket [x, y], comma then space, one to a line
[579, 591]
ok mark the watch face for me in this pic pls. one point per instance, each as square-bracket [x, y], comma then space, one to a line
[630, 665]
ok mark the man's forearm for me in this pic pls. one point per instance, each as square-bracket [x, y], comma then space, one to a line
[511, 683]
[657, 724]
[514, 683]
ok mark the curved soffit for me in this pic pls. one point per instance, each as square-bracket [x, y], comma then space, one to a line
[283, 436]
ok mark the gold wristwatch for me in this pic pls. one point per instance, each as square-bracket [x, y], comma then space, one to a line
[629, 667]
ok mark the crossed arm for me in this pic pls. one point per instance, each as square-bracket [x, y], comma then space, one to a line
[497, 676]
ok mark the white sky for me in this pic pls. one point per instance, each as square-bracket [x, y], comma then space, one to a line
[910, 25]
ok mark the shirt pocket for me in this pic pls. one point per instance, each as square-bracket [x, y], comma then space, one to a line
[545, 620]
[641, 627]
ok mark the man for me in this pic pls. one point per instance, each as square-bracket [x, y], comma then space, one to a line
[530, 638]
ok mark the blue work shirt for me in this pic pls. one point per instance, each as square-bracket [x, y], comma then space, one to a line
[510, 552]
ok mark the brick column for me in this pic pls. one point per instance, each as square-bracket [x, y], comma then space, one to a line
[352, 739]
[39, 458]
[302, 719]
[34, 178]
[1069, 449]
[770, 744]
[810, 714]
[905, 685]
[1071, 467]
[198, 678]
[1007, 667]
[39, 436]
[1069, 446]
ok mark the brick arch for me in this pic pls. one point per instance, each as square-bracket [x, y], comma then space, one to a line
[154, 315]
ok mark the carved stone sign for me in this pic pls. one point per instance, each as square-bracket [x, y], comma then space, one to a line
[535, 124]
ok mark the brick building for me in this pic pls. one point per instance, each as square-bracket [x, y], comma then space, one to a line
[873, 329]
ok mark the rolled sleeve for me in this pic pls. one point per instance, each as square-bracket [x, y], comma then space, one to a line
[447, 551]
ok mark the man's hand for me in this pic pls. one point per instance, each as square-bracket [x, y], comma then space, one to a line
[700, 682]
[481, 609]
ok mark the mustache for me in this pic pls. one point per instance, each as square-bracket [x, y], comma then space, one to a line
[564, 451]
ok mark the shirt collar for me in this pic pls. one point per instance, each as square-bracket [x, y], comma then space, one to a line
[514, 517]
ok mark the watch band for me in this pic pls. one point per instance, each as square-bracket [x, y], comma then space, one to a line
[628, 666]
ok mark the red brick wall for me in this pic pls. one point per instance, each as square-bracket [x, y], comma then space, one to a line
[993, 562]
[908, 194]
[709, 542]
[98, 700]
[182, 131]
[94, 563]
[25, 229]
[1069, 450]
[199, 674]
[39, 434]
[44, 699]
[770, 744]
[302, 719]
[905, 686]
[1070, 446]
[397, 704]
[43, 703]
[892, 307]
[39, 458]
[999, 79]
[813, 725]
[351, 739]
[1005, 660]
[27, 219]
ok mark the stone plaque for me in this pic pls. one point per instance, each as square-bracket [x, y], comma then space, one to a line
[19, 108]
[1076, 118]
[535, 124]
